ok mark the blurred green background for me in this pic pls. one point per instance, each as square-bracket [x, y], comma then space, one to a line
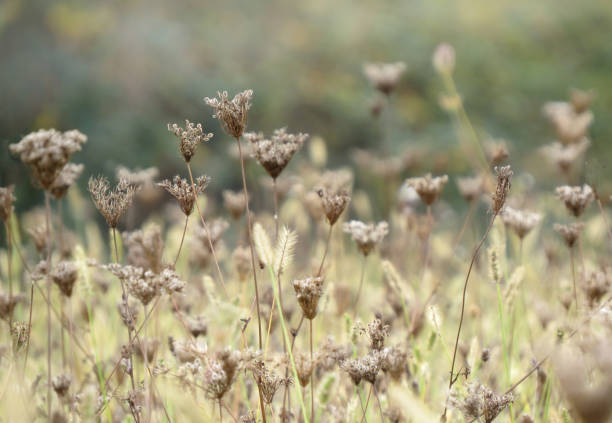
[119, 71]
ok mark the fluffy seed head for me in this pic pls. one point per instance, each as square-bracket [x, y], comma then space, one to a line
[576, 199]
[384, 76]
[231, 113]
[65, 275]
[570, 233]
[428, 187]
[520, 221]
[470, 188]
[366, 236]
[66, 178]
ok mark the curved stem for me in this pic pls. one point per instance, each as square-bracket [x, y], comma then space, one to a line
[178, 253]
[367, 403]
[363, 265]
[326, 250]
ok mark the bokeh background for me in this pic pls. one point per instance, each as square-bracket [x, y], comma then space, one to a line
[119, 71]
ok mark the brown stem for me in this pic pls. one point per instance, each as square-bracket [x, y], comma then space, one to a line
[178, 253]
[468, 217]
[9, 257]
[367, 403]
[275, 193]
[312, 416]
[573, 267]
[48, 230]
[361, 402]
[363, 265]
[326, 250]
[382, 415]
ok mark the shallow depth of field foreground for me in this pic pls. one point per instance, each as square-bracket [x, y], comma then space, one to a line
[254, 271]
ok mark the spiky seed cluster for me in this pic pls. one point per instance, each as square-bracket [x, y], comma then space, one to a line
[520, 221]
[61, 384]
[481, 402]
[563, 155]
[111, 202]
[189, 137]
[570, 233]
[384, 76]
[576, 199]
[145, 248]
[334, 202]
[363, 368]
[182, 190]
[6, 202]
[65, 179]
[65, 275]
[267, 381]
[220, 373]
[504, 182]
[145, 284]
[275, 153]
[47, 151]
[308, 292]
[470, 188]
[234, 202]
[428, 187]
[366, 235]
[231, 113]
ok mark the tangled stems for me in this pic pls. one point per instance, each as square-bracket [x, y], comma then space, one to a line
[363, 417]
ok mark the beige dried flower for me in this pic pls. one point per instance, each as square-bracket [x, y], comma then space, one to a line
[242, 262]
[189, 137]
[39, 236]
[231, 113]
[220, 373]
[268, 382]
[6, 202]
[111, 203]
[65, 179]
[145, 284]
[145, 248]
[377, 332]
[394, 362]
[334, 202]
[61, 384]
[520, 221]
[384, 76]
[496, 151]
[563, 155]
[304, 368]
[366, 236]
[570, 233]
[504, 179]
[363, 368]
[480, 402]
[275, 153]
[197, 325]
[596, 285]
[182, 190]
[569, 125]
[470, 188]
[576, 199]
[234, 202]
[444, 59]
[428, 187]
[65, 275]
[47, 151]
[308, 292]
[201, 252]
[8, 304]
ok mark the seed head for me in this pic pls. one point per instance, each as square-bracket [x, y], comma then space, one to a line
[234, 202]
[66, 178]
[428, 188]
[576, 199]
[231, 113]
[145, 284]
[61, 384]
[275, 153]
[197, 325]
[39, 236]
[570, 233]
[521, 222]
[145, 248]
[182, 190]
[189, 137]
[8, 304]
[6, 202]
[65, 275]
[267, 381]
[111, 203]
[308, 292]
[569, 124]
[47, 151]
[384, 76]
[366, 236]
[496, 151]
[444, 59]
[504, 177]
[564, 155]
[334, 202]
[480, 402]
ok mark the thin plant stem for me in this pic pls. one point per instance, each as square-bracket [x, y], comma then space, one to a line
[363, 266]
[361, 402]
[382, 415]
[48, 230]
[210, 244]
[312, 416]
[9, 257]
[573, 267]
[275, 194]
[468, 217]
[178, 253]
[367, 403]
[465, 285]
[326, 249]
[503, 332]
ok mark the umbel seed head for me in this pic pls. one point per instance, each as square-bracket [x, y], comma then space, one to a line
[308, 292]
[231, 113]
[428, 187]
[6, 202]
[189, 137]
[66, 178]
[384, 76]
[334, 203]
[570, 233]
[521, 222]
[183, 191]
[366, 236]
[65, 275]
[275, 153]
[111, 202]
[576, 199]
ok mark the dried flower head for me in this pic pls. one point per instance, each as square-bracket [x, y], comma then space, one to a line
[596, 285]
[8, 304]
[384, 76]
[65, 179]
[564, 155]
[145, 284]
[64, 275]
[569, 124]
[138, 177]
[234, 202]
[480, 402]
[444, 58]
[242, 262]
[428, 187]
[201, 252]
[6, 202]
[189, 137]
[470, 188]
[570, 233]
[220, 373]
[363, 368]
[231, 113]
[267, 381]
[334, 202]
[61, 384]
[576, 199]
[39, 236]
[377, 332]
[197, 325]
[275, 153]
[520, 221]
[183, 192]
[304, 368]
[504, 178]
[47, 151]
[366, 235]
[394, 362]
[111, 203]
[308, 292]
[145, 248]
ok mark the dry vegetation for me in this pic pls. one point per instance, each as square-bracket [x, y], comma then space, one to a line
[294, 312]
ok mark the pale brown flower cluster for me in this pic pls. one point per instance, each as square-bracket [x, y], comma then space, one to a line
[428, 187]
[520, 221]
[275, 153]
[384, 76]
[66, 178]
[366, 235]
[189, 137]
[232, 114]
[111, 202]
[182, 190]
[480, 402]
[234, 202]
[570, 120]
[65, 275]
[308, 292]
[334, 202]
[576, 199]
[6, 202]
[565, 155]
[470, 188]
[145, 248]
[570, 233]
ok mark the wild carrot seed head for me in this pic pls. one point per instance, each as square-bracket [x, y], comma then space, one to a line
[189, 137]
[232, 114]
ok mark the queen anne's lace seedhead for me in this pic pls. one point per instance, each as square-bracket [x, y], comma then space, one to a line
[384, 76]
[428, 187]
[66, 178]
[570, 124]
[481, 402]
[145, 284]
[231, 113]
[308, 292]
[564, 155]
[275, 153]
[182, 190]
[570, 233]
[521, 222]
[189, 137]
[111, 203]
[47, 151]
[576, 199]
[334, 202]
[6, 202]
[366, 236]
[65, 275]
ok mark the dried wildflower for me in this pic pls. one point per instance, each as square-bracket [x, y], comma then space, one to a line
[189, 137]
[363, 368]
[304, 368]
[275, 153]
[334, 203]
[377, 332]
[496, 151]
[197, 325]
[504, 177]
[61, 384]
[481, 402]
[596, 286]
[444, 59]
[267, 381]
[145, 248]
[65, 275]
[65, 179]
[570, 233]
[8, 304]
[520, 221]
[231, 113]
[562, 155]
[39, 236]
[234, 202]
[394, 362]
[220, 373]
[428, 188]
[576, 199]
[145, 284]
[46, 152]
[308, 292]
[384, 76]
[242, 262]
[183, 192]
[569, 124]
[111, 203]
[6, 202]
[470, 188]
[128, 313]
[146, 348]
[201, 252]
[366, 236]
[20, 332]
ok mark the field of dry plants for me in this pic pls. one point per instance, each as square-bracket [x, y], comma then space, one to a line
[284, 306]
